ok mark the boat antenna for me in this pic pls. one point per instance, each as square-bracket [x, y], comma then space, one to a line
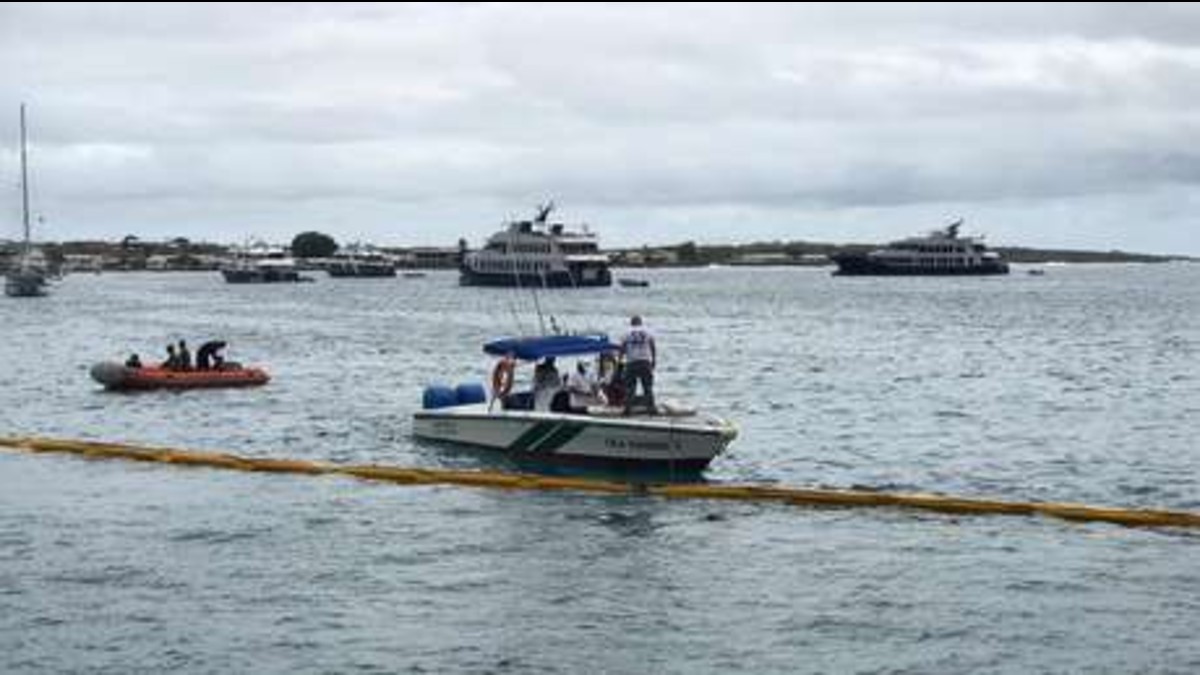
[24, 181]
[553, 322]
[533, 289]
[543, 211]
[537, 305]
[512, 304]
[570, 277]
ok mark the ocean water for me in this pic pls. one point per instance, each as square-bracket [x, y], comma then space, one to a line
[1080, 385]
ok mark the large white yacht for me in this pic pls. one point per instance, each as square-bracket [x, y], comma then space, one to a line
[536, 253]
[940, 253]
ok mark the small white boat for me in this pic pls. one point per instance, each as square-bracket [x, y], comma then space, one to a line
[669, 439]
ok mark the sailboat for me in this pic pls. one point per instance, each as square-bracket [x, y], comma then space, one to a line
[28, 276]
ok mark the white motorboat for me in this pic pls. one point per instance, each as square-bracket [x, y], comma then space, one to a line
[671, 438]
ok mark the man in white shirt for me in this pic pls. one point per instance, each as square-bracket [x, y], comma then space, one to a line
[584, 390]
[546, 383]
[641, 356]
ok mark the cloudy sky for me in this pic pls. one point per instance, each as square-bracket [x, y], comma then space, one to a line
[1050, 125]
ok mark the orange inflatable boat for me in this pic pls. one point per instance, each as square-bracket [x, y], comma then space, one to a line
[117, 376]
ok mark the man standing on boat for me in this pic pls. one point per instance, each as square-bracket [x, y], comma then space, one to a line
[641, 356]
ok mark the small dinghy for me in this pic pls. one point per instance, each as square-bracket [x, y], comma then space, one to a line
[117, 376]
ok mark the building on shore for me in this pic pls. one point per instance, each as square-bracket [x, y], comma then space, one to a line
[426, 258]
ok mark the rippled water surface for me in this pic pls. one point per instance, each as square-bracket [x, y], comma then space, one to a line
[1080, 385]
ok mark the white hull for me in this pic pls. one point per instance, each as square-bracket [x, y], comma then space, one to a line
[642, 442]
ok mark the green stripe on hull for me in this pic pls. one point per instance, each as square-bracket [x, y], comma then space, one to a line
[563, 435]
[531, 435]
[546, 436]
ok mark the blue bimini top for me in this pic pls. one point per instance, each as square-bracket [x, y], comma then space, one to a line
[541, 346]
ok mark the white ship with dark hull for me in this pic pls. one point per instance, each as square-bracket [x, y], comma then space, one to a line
[941, 253]
[537, 253]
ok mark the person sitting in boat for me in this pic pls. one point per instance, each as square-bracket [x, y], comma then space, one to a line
[134, 361]
[209, 357]
[584, 391]
[172, 362]
[612, 381]
[185, 356]
[546, 383]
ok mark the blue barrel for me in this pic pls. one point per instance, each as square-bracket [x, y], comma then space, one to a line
[438, 396]
[470, 392]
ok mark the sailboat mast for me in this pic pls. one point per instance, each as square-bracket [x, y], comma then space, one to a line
[24, 181]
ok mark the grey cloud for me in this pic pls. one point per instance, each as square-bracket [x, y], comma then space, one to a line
[422, 121]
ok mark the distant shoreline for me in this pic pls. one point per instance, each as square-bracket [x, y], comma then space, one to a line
[179, 254]
[819, 254]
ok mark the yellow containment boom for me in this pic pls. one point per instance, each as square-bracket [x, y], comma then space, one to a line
[519, 481]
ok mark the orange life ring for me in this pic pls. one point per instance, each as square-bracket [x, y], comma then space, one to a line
[502, 378]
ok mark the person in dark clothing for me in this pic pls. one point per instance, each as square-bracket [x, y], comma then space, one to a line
[172, 362]
[133, 361]
[185, 357]
[208, 356]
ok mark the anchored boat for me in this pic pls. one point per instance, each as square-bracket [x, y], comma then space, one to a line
[262, 264]
[29, 274]
[941, 253]
[536, 253]
[670, 438]
[361, 262]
